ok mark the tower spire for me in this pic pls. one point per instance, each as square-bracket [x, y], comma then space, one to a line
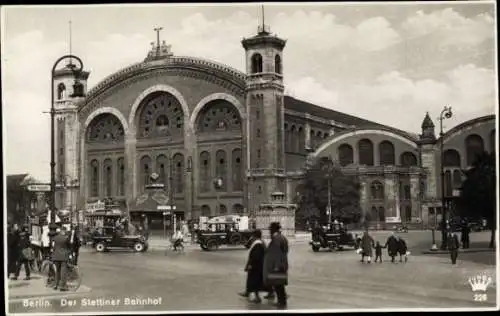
[263, 17]
[70, 63]
[157, 30]
[263, 28]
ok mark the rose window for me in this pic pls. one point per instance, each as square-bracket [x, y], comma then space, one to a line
[106, 128]
[161, 116]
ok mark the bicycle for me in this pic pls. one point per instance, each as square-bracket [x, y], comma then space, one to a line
[178, 249]
[73, 276]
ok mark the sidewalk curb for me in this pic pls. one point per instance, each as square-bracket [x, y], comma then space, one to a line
[444, 252]
[81, 290]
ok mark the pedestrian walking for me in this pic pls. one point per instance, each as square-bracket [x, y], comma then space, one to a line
[402, 249]
[392, 246]
[453, 246]
[254, 267]
[378, 251]
[465, 231]
[76, 243]
[25, 256]
[13, 249]
[276, 265]
[60, 256]
[367, 244]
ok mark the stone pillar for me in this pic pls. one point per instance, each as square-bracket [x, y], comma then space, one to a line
[130, 161]
[355, 155]
[72, 131]
[415, 196]
[278, 210]
[392, 199]
[430, 164]
[190, 164]
[307, 131]
[376, 155]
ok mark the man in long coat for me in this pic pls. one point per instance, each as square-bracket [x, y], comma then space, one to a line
[465, 230]
[255, 267]
[453, 246]
[60, 257]
[276, 264]
[402, 249]
[14, 251]
[367, 244]
[392, 245]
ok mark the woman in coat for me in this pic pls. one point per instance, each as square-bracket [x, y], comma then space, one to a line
[276, 265]
[392, 245]
[402, 249]
[255, 266]
[367, 244]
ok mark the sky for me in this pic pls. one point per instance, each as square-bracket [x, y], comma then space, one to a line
[389, 63]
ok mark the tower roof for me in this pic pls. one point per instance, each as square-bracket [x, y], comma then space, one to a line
[427, 122]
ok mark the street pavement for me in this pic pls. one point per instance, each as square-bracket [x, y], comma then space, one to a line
[159, 280]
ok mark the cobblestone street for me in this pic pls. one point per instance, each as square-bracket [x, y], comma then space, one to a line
[198, 280]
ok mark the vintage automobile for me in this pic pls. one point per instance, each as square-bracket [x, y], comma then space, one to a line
[223, 233]
[108, 237]
[334, 238]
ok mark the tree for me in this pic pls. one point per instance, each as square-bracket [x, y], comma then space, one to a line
[478, 193]
[313, 193]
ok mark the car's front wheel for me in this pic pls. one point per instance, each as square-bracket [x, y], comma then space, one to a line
[100, 247]
[212, 245]
[139, 247]
[315, 248]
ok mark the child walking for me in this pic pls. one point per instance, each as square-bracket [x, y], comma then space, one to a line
[378, 251]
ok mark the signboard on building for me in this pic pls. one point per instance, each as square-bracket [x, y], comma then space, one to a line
[39, 187]
[96, 206]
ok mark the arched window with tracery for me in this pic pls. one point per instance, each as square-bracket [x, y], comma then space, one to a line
[346, 155]
[451, 158]
[205, 176]
[237, 166]
[256, 63]
[145, 174]
[386, 152]
[408, 159]
[161, 116]
[474, 146]
[61, 91]
[448, 183]
[94, 178]
[105, 128]
[161, 169]
[277, 64]
[492, 141]
[377, 190]
[221, 168]
[365, 150]
[178, 161]
[120, 177]
[457, 179]
[108, 177]
[219, 116]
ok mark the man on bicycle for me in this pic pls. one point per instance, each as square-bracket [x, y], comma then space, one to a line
[178, 239]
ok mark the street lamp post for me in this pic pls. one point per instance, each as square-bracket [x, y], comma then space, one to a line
[328, 168]
[52, 201]
[446, 113]
[217, 185]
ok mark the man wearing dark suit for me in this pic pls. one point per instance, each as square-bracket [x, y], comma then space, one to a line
[75, 244]
[453, 245]
[392, 245]
[276, 264]
[14, 248]
[60, 257]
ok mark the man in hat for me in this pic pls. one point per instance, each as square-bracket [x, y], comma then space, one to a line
[276, 264]
[60, 257]
[453, 245]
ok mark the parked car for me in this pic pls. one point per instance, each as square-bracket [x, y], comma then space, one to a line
[332, 239]
[223, 233]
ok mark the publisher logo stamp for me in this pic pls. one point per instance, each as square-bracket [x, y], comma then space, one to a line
[479, 284]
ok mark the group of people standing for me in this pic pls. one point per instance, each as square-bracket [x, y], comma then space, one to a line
[267, 267]
[395, 246]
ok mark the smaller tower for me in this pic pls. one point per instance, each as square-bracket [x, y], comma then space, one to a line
[428, 133]
[158, 51]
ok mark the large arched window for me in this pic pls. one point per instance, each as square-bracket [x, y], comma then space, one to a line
[218, 116]
[221, 168]
[94, 178]
[145, 167]
[161, 169]
[205, 176]
[492, 141]
[161, 116]
[178, 161]
[381, 213]
[61, 91]
[120, 177]
[346, 155]
[386, 153]
[277, 64]
[377, 190]
[448, 184]
[451, 158]
[256, 63]
[293, 138]
[365, 151]
[474, 146]
[108, 177]
[408, 159]
[237, 209]
[237, 166]
[205, 210]
[457, 179]
[105, 128]
[300, 140]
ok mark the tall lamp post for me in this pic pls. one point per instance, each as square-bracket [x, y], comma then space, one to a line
[217, 185]
[76, 69]
[328, 168]
[445, 114]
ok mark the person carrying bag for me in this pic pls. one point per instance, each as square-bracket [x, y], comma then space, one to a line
[276, 264]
